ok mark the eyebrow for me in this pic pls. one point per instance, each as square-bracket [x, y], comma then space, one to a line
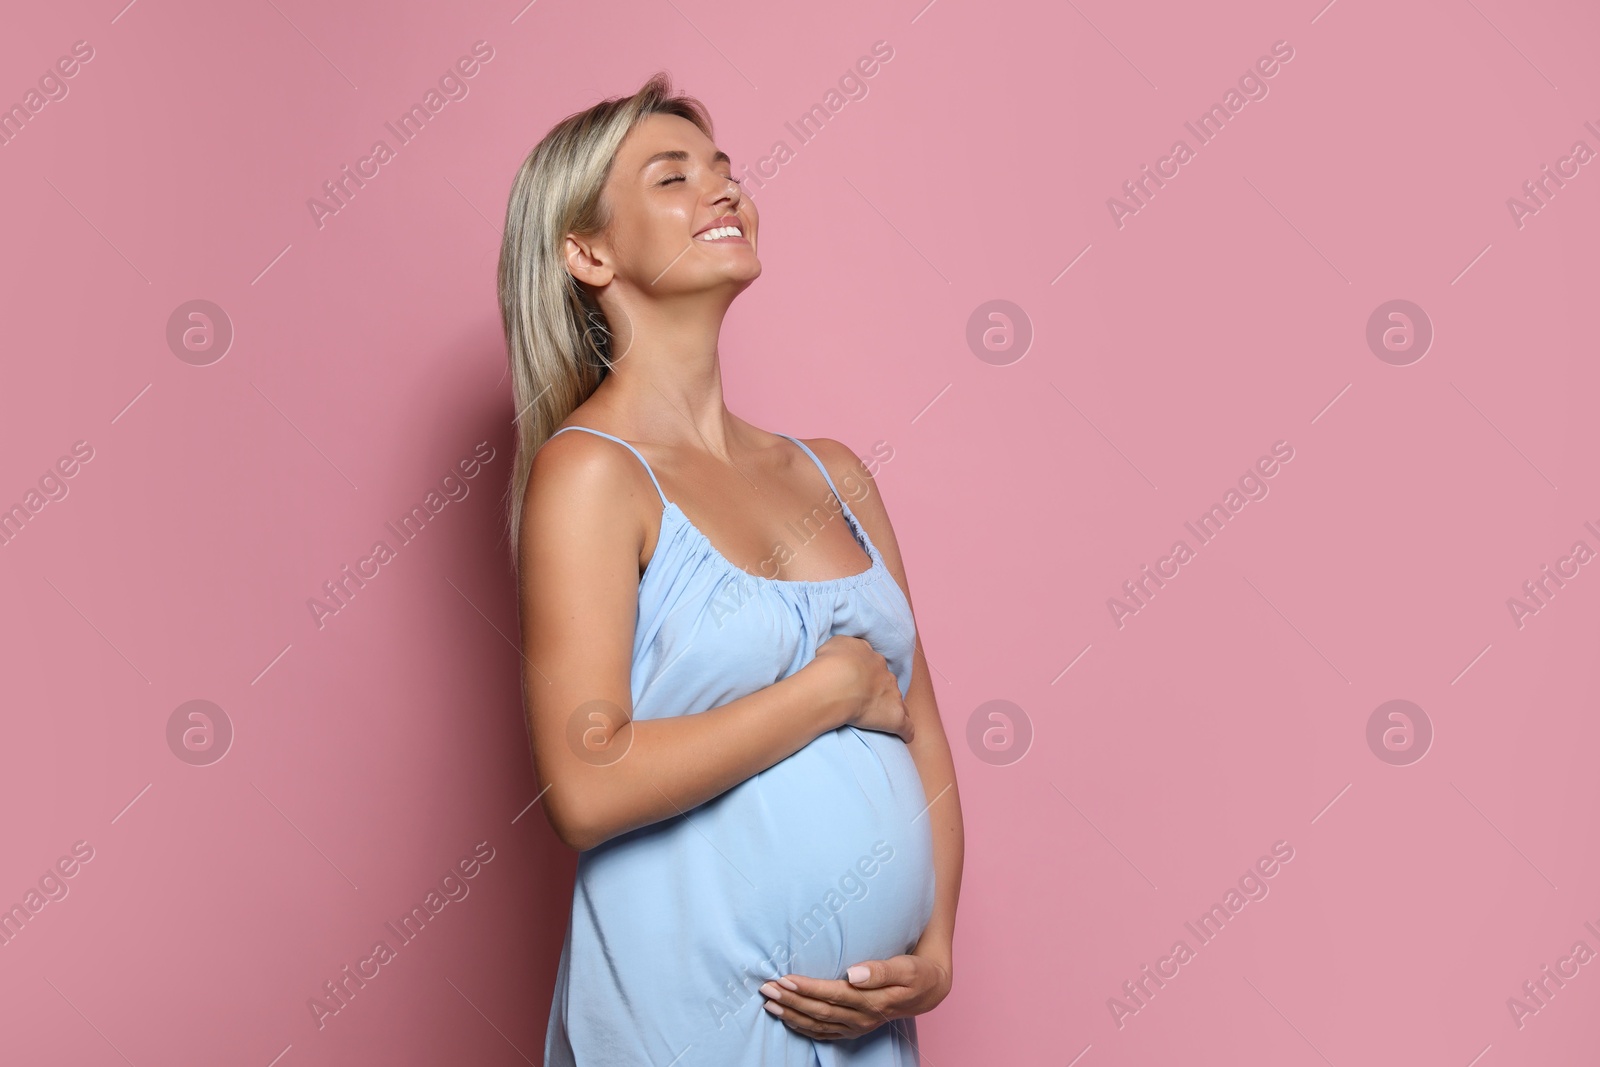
[680, 156]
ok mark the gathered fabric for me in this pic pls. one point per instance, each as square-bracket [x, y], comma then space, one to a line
[820, 861]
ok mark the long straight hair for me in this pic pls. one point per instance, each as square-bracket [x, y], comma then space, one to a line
[557, 338]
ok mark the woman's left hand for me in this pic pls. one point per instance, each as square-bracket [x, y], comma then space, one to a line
[872, 993]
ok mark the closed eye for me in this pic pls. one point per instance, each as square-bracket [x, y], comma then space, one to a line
[679, 177]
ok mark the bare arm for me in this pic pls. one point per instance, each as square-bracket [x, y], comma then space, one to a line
[583, 533]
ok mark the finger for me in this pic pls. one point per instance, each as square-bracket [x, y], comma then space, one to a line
[822, 1011]
[875, 974]
[832, 990]
[835, 989]
[808, 1025]
[798, 1024]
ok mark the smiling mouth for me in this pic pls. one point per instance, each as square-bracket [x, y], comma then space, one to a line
[720, 233]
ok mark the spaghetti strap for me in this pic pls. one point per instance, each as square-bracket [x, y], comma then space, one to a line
[630, 448]
[821, 468]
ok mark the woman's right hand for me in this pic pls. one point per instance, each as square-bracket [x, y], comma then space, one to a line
[860, 680]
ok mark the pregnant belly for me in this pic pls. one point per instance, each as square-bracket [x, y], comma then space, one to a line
[821, 861]
[847, 854]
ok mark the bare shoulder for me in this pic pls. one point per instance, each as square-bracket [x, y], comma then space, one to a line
[582, 486]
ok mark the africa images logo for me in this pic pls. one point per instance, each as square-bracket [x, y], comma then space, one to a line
[339, 991]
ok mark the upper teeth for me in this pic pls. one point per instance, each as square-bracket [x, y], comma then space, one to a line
[720, 232]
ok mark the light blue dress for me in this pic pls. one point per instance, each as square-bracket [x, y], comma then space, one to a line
[821, 861]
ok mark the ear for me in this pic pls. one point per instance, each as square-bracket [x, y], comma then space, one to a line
[586, 261]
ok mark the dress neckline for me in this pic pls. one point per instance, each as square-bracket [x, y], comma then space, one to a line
[875, 568]
[846, 581]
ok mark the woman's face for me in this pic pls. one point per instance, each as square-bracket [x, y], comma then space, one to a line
[672, 201]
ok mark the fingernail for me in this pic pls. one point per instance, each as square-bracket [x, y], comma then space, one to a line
[773, 1008]
[790, 986]
[857, 974]
[770, 991]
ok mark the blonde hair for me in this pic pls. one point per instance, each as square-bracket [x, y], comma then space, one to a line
[557, 338]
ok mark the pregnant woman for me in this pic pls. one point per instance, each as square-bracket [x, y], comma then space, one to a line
[731, 717]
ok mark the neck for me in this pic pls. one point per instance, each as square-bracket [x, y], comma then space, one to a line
[666, 376]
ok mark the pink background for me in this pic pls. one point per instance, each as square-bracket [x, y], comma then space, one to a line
[1229, 313]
